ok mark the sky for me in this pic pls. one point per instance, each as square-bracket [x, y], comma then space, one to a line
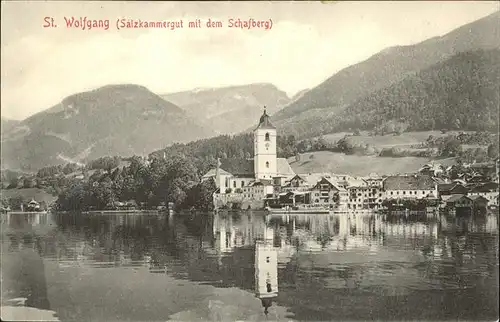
[308, 42]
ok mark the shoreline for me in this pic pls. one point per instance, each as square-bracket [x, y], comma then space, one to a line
[84, 212]
[120, 211]
[25, 212]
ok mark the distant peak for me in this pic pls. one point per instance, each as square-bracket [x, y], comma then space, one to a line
[123, 86]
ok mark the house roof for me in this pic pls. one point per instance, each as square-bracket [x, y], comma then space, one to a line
[474, 198]
[486, 187]
[409, 182]
[333, 183]
[450, 187]
[265, 122]
[454, 198]
[440, 180]
[266, 182]
[310, 179]
[445, 187]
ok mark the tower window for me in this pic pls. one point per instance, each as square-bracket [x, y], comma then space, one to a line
[267, 137]
[268, 287]
[267, 164]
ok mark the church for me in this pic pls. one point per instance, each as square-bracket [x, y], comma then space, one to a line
[253, 178]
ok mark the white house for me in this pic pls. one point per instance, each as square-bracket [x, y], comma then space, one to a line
[410, 187]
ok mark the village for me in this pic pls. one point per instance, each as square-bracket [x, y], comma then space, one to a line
[269, 182]
[266, 181]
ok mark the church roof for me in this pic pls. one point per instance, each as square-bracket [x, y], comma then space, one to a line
[265, 122]
[245, 168]
[238, 167]
[213, 173]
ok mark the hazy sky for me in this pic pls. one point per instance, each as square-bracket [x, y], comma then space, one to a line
[307, 43]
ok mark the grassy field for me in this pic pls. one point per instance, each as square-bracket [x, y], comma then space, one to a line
[28, 194]
[325, 161]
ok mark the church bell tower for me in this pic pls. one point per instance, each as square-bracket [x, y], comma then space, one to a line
[265, 161]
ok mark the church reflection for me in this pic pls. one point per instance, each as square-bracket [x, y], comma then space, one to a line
[266, 273]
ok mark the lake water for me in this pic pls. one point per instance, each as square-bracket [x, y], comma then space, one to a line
[130, 267]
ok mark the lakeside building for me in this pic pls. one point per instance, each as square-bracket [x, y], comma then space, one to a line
[410, 187]
[489, 191]
[447, 189]
[365, 197]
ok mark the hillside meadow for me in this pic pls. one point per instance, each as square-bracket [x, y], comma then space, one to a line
[359, 165]
[405, 140]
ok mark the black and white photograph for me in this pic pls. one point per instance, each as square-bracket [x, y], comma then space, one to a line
[249, 161]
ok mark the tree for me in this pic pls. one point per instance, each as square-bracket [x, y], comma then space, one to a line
[15, 203]
[28, 183]
[451, 147]
[493, 151]
[345, 146]
[13, 183]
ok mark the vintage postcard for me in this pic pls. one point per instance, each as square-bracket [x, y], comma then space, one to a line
[249, 161]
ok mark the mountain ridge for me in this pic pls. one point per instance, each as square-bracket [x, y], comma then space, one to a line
[116, 119]
[391, 65]
[460, 93]
[229, 109]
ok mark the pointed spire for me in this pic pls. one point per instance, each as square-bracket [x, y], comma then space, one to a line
[266, 303]
[265, 122]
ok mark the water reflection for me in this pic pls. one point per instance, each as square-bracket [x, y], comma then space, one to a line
[266, 273]
[326, 267]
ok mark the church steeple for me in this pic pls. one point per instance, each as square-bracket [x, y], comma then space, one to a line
[265, 122]
[265, 162]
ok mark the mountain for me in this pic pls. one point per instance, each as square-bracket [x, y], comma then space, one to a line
[8, 124]
[299, 94]
[384, 69]
[111, 120]
[459, 93]
[229, 110]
